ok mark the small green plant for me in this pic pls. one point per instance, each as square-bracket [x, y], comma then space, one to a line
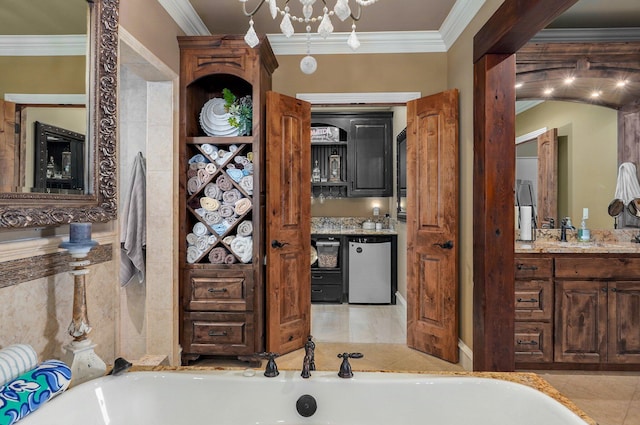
[241, 110]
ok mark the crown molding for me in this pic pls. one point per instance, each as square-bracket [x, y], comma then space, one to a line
[531, 135]
[462, 13]
[523, 105]
[46, 99]
[585, 35]
[43, 45]
[358, 98]
[185, 16]
[371, 42]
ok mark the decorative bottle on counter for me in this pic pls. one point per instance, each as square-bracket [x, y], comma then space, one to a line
[315, 173]
[334, 166]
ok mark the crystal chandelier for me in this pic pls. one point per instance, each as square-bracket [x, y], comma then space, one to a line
[341, 9]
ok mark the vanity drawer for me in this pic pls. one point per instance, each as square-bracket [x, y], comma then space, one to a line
[534, 300]
[220, 290]
[217, 333]
[533, 268]
[533, 342]
[598, 267]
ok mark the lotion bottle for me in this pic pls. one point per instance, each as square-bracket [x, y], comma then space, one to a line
[584, 234]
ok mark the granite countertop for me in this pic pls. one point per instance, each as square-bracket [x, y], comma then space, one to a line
[351, 231]
[602, 242]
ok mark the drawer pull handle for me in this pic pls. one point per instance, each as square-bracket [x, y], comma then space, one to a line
[316, 290]
[217, 290]
[524, 267]
[521, 342]
[317, 277]
[530, 300]
[214, 333]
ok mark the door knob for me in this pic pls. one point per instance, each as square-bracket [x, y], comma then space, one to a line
[446, 245]
[277, 244]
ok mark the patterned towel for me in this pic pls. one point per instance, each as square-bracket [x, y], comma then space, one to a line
[32, 389]
[15, 360]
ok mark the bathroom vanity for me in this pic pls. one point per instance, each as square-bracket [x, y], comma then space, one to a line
[577, 305]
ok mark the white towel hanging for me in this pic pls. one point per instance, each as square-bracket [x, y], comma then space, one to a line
[133, 225]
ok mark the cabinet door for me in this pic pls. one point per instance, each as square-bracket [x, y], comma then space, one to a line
[624, 322]
[369, 157]
[581, 321]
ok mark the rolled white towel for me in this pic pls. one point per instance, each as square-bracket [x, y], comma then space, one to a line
[202, 243]
[15, 360]
[193, 184]
[246, 183]
[242, 246]
[191, 238]
[245, 228]
[209, 149]
[199, 229]
[210, 168]
[213, 191]
[192, 254]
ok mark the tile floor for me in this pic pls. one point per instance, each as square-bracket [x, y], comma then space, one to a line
[379, 332]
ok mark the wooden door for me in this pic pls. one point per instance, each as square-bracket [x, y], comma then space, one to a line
[548, 177]
[581, 321]
[9, 155]
[288, 217]
[432, 225]
[624, 322]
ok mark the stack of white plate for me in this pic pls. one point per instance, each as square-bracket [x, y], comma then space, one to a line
[215, 120]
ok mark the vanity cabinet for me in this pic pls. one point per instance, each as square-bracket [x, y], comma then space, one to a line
[364, 145]
[221, 279]
[577, 311]
[598, 310]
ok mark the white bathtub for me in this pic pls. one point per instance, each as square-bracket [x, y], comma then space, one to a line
[230, 398]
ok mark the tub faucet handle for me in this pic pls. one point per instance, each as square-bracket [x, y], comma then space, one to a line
[271, 370]
[345, 367]
[120, 365]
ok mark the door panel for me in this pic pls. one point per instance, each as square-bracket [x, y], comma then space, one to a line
[9, 155]
[288, 230]
[548, 176]
[624, 322]
[432, 225]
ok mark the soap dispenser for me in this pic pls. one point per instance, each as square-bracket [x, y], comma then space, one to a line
[584, 234]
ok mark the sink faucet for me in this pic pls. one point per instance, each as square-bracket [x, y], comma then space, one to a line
[308, 362]
[565, 224]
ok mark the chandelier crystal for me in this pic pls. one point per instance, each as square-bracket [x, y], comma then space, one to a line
[341, 10]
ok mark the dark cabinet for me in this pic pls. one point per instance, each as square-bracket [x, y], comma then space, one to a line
[363, 144]
[59, 159]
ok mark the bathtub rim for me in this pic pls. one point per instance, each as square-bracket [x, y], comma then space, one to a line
[529, 379]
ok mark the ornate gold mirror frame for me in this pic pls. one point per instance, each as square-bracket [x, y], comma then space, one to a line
[100, 204]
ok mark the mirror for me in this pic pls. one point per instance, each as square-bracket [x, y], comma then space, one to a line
[586, 161]
[401, 179]
[96, 202]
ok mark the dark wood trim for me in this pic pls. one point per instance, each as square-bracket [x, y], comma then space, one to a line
[494, 277]
[514, 24]
[510, 27]
[31, 268]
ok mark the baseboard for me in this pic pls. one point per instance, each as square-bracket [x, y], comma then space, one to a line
[400, 299]
[466, 356]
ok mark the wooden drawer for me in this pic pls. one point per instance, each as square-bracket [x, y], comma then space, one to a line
[533, 342]
[534, 300]
[218, 333]
[598, 268]
[219, 290]
[533, 268]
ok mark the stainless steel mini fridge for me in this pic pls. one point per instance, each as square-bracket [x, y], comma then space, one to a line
[370, 270]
